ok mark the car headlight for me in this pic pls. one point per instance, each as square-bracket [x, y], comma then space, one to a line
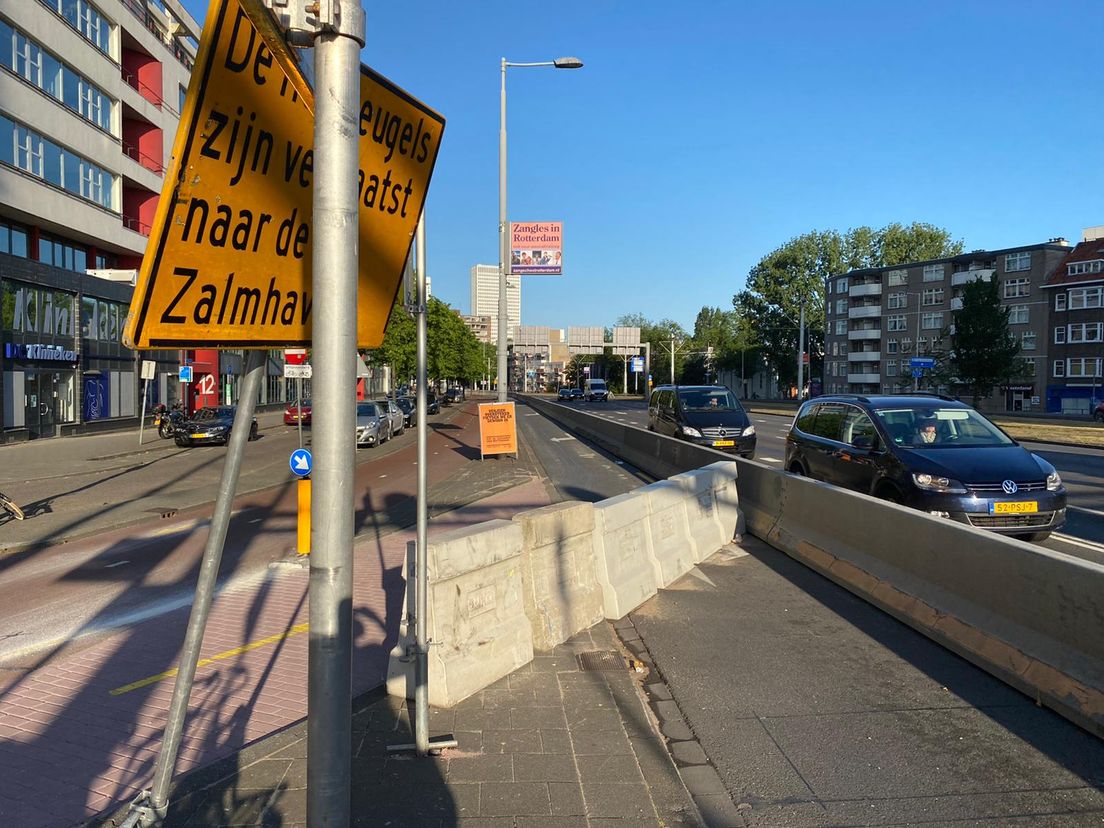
[1054, 481]
[748, 432]
[933, 483]
[690, 431]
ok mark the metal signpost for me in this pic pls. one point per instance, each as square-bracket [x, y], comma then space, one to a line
[149, 371]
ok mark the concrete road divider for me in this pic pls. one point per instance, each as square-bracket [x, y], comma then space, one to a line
[558, 571]
[627, 569]
[477, 617]
[708, 530]
[672, 544]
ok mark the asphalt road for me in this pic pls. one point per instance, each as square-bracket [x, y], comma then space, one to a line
[1082, 470]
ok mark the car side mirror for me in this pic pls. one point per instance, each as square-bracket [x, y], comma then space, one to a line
[864, 442]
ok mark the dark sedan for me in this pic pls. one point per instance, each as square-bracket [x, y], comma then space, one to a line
[409, 408]
[211, 425]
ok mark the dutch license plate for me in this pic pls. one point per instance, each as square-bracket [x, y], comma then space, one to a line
[197, 436]
[1017, 507]
[724, 443]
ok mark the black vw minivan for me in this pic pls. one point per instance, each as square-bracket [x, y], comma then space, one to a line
[709, 415]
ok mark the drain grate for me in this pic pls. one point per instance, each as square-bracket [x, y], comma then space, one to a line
[163, 511]
[601, 661]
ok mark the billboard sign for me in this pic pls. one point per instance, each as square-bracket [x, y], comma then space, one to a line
[228, 263]
[536, 248]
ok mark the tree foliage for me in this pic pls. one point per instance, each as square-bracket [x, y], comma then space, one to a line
[795, 275]
[659, 335]
[983, 351]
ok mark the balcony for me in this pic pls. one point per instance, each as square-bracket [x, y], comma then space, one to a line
[876, 333]
[864, 356]
[869, 289]
[956, 303]
[864, 312]
[967, 276]
[864, 378]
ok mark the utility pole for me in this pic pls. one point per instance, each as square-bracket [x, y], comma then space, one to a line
[672, 360]
[801, 352]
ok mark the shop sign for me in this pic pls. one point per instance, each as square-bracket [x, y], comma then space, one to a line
[52, 353]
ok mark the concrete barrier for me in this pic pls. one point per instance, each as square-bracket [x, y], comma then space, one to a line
[623, 553]
[707, 527]
[477, 615]
[673, 546]
[558, 570]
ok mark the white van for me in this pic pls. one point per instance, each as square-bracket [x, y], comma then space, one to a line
[596, 390]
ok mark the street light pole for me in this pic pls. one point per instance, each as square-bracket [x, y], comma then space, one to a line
[503, 227]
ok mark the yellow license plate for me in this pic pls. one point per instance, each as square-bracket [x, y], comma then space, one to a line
[197, 436]
[1018, 507]
[724, 442]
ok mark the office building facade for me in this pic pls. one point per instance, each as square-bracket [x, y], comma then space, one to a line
[484, 298]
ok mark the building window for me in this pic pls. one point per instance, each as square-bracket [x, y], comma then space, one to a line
[1059, 368]
[1081, 298]
[1060, 335]
[841, 306]
[1083, 367]
[841, 327]
[1015, 262]
[1078, 268]
[62, 254]
[86, 19]
[183, 96]
[1018, 315]
[1060, 301]
[13, 240]
[835, 349]
[1027, 340]
[895, 323]
[906, 345]
[932, 296]
[891, 368]
[1029, 367]
[1015, 288]
[931, 321]
[841, 285]
[891, 346]
[934, 272]
[897, 300]
[1085, 331]
[897, 278]
[63, 168]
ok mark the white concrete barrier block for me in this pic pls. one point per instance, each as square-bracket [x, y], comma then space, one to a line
[623, 551]
[562, 593]
[701, 512]
[726, 499]
[477, 619]
[674, 549]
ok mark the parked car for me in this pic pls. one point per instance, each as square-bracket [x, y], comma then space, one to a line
[394, 414]
[932, 453]
[297, 411]
[211, 425]
[409, 408]
[596, 390]
[373, 426]
[433, 405]
[455, 394]
[709, 415]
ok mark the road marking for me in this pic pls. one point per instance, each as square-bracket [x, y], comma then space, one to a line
[1070, 539]
[383, 476]
[117, 563]
[1096, 512]
[561, 439]
[770, 459]
[256, 520]
[203, 662]
[760, 421]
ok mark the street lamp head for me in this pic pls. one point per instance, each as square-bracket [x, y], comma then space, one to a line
[567, 63]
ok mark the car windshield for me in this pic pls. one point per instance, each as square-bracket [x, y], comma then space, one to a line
[708, 399]
[932, 427]
[405, 404]
[367, 409]
[214, 413]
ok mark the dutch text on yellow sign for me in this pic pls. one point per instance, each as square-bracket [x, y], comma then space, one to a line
[497, 428]
[228, 262]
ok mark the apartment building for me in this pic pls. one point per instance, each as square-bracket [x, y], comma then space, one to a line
[90, 96]
[484, 298]
[1076, 334]
[878, 319]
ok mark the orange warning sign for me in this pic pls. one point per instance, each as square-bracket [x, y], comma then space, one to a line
[497, 428]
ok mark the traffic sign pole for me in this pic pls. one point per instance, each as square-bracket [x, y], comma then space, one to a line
[335, 266]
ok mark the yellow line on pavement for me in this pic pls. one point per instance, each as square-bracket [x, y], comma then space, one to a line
[203, 662]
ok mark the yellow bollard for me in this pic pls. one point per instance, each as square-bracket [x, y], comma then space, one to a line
[303, 534]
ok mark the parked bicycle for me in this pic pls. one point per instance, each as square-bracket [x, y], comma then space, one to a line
[10, 507]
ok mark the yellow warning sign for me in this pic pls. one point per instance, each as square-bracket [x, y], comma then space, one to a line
[228, 264]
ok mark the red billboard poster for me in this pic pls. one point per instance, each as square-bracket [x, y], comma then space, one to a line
[536, 248]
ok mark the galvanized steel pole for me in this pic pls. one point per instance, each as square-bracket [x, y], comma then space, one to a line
[503, 242]
[333, 416]
[800, 351]
[421, 562]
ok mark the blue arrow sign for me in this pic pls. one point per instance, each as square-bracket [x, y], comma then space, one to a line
[922, 362]
[301, 462]
[918, 372]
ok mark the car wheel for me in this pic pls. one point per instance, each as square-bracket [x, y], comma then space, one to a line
[1033, 537]
[888, 493]
[183, 442]
[797, 469]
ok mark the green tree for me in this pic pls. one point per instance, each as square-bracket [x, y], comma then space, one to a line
[795, 275]
[983, 351]
[659, 335]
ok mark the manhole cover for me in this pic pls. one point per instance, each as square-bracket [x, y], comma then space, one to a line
[602, 661]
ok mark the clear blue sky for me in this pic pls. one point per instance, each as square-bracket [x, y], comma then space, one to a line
[699, 136]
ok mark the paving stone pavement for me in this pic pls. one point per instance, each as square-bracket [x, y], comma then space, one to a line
[552, 745]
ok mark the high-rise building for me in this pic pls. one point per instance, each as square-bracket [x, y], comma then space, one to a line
[484, 298]
[90, 97]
